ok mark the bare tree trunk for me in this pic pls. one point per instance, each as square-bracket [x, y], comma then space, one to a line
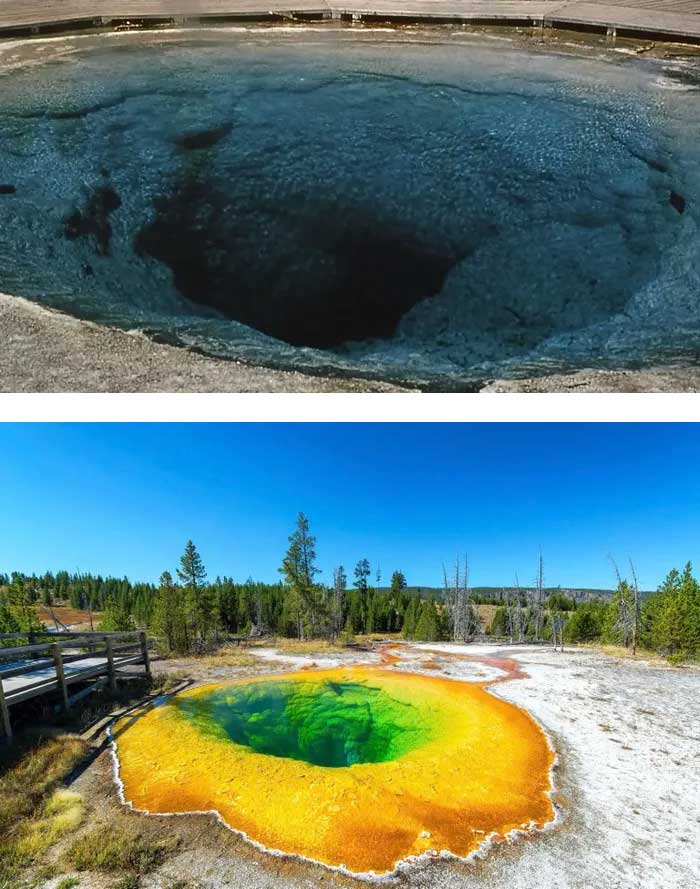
[625, 622]
[509, 614]
[538, 598]
[463, 614]
[53, 616]
[558, 631]
[519, 611]
[635, 615]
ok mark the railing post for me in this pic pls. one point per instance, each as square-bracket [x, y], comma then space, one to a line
[6, 724]
[110, 664]
[60, 674]
[144, 653]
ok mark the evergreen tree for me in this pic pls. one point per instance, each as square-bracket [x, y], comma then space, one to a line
[586, 623]
[428, 626]
[199, 598]
[671, 617]
[337, 601]
[117, 617]
[410, 618]
[8, 622]
[227, 601]
[21, 605]
[361, 584]
[169, 615]
[398, 583]
[299, 570]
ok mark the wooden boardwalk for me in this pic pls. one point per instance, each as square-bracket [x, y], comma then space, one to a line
[30, 671]
[673, 20]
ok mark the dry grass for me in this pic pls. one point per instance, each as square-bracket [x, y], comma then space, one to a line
[35, 811]
[487, 614]
[228, 656]
[164, 680]
[312, 646]
[622, 652]
[62, 813]
[122, 846]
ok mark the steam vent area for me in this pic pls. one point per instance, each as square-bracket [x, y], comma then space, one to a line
[427, 194]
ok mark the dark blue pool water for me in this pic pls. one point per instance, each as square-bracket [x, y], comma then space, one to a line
[439, 210]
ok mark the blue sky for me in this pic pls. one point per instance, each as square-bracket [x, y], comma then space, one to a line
[124, 498]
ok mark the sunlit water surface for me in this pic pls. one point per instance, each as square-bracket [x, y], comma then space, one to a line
[426, 206]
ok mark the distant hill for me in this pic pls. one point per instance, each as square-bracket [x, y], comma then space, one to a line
[579, 594]
[68, 618]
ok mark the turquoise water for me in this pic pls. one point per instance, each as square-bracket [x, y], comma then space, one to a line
[334, 724]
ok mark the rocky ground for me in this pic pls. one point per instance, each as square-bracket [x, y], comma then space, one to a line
[650, 379]
[46, 351]
[628, 744]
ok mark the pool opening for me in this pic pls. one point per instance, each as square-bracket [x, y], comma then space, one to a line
[316, 278]
[332, 724]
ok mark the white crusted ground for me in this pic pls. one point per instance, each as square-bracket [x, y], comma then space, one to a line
[627, 734]
[305, 662]
[628, 737]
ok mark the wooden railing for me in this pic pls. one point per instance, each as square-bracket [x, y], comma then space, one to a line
[56, 664]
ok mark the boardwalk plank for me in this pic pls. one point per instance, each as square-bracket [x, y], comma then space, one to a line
[15, 686]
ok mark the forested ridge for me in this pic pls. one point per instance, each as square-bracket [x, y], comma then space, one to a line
[189, 612]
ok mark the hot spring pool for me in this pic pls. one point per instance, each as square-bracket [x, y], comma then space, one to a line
[359, 768]
[417, 205]
[332, 724]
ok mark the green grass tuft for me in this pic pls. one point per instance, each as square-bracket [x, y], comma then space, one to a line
[130, 881]
[118, 847]
[34, 810]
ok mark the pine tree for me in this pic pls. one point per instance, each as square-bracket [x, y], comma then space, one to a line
[361, 584]
[671, 617]
[410, 618]
[117, 617]
[21, 606]
[428, 628]
[199, 600]
[8, 622]
[337, 601]
[169, 615]
[299, 571]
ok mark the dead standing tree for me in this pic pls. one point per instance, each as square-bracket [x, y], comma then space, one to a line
[627, 602]
[514, 615]
[558, 624]
[464, 615]
[518, 615]
[538, 600]
[635, 612]
[505, 596]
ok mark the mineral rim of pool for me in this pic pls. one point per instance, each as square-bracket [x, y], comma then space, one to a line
[357, 767]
